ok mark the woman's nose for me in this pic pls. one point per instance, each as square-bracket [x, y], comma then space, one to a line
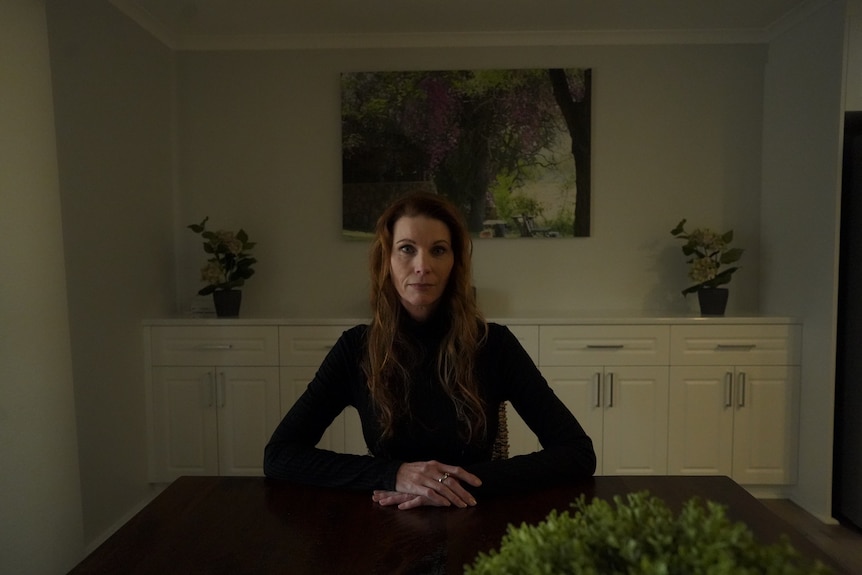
[422, 263]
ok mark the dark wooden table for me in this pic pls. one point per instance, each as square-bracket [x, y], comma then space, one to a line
[241, 525]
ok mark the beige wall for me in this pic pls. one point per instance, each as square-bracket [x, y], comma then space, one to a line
[40, 498]
[853, 62]
[801, 197]
[676, 134]
[113, 86]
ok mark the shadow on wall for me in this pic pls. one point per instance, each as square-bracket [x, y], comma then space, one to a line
[666, 296]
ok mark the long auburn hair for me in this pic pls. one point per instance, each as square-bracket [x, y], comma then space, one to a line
[387, 364]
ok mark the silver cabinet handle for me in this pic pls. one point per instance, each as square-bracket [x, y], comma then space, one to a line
[210, 385]
[728, 389]
[598, 379]
[604, 346]
[221, 389]
[610, 390]
[213, 346]
[735, 347]
[740, 400]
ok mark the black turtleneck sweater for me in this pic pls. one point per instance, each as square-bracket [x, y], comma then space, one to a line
[506, 373]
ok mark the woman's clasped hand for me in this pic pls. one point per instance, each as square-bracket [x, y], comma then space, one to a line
[429, 483]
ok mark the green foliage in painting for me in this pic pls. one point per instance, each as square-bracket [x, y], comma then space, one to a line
[459, 132]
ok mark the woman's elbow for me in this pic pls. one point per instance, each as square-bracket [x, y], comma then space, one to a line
[587, 458]
[268, 458]
[273, 461]
[590, 467]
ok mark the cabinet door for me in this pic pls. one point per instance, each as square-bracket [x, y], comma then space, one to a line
[635, 421]
[248, 412]
[184, 438]
[765, 428]
[700, 421]
[580, 389]
[294, 380]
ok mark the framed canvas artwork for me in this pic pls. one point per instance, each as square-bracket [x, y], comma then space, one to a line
[510, 147]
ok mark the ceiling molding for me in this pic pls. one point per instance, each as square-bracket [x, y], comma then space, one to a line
[459, 39]
[338, 41]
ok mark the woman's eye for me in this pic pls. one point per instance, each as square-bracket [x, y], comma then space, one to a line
[407, 249]
[439, 250]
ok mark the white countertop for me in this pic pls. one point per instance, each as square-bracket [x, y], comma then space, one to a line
[533, 318]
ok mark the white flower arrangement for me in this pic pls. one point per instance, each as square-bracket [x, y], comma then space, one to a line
[707, 251]
[230, 264]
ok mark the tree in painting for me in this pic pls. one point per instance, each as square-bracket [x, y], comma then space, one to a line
[479, 137]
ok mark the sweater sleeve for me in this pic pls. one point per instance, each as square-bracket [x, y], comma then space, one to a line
[291, 453]
[567, 453]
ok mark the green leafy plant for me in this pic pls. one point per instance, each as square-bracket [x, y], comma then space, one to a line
[230, 263]
[639, 535]
[707, 251]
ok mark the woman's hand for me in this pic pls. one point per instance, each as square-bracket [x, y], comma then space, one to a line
[402, 500]
[429, 483]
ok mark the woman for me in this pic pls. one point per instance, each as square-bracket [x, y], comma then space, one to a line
[427, 377]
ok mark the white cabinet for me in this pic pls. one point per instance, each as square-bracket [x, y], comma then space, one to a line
[734, 394]
[302, 350]
[213, 400]
[614, 379]
[686, 396]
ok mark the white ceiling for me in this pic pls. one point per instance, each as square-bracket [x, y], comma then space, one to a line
[196, 24]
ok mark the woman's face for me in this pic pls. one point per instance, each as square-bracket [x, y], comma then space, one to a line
[421, 261]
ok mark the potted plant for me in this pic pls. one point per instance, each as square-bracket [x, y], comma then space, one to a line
[227, 268]
[639, 535]
[707, 251]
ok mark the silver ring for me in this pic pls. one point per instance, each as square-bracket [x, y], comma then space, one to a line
[443, 477]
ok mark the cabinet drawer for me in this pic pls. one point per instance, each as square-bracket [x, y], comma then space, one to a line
[210, 346]
[307, 345]
[736, 344]
[603, 345]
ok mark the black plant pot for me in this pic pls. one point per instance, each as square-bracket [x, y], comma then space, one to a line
[713, 301]
[227, 302]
